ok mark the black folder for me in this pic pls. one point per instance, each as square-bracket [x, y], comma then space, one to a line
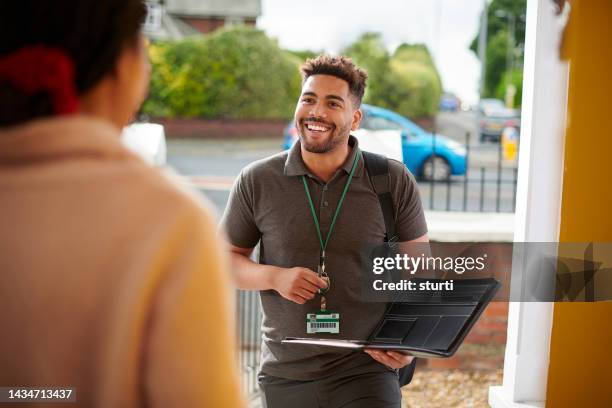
[424, 323]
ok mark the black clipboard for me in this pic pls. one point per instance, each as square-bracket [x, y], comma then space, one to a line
[424, 323]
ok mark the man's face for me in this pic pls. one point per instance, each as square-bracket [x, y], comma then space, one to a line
[325, 113]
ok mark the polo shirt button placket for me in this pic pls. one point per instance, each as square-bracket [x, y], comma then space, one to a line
[324, 208]
[324, 201]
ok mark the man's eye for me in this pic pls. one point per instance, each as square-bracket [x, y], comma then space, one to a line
[334, 105]
[307, 100]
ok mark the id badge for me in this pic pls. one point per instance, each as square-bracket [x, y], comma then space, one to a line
[323, 322]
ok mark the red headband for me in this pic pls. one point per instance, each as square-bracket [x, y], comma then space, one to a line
[38, 68]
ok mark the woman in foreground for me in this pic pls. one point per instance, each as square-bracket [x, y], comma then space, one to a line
[112, 282]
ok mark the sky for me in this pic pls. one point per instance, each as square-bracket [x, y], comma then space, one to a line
[447, 27]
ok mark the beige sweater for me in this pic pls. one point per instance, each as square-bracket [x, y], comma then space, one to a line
[111, 279]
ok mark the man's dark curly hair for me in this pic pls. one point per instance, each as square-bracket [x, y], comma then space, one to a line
[340, 67]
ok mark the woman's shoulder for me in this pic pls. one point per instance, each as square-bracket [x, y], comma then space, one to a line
[174, 196]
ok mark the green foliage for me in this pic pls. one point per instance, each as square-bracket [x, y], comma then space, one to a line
[303, 55]
[497, 40]
[407, 82]
[369, 52]
[414, 52]
[496, 61]
[239, 73]
[497, 23]
[516, 79]
[417, 88]
[236, 73]
[161, 77]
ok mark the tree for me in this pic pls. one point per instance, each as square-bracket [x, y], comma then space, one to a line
[515, 78]
[407, 82]
[414, 52]
[497, 40]
[303, 55]
[496, 61]
[234, 73]
[417, 89]
[369, 52]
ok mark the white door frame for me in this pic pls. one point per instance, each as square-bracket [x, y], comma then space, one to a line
[538, 203]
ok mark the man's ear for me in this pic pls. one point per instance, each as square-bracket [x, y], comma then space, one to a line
[357, 115]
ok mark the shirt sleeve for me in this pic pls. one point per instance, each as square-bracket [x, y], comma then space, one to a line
[410, 217]
[238, 219]
[189, 352]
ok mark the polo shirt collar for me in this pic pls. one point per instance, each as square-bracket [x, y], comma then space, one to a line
[294, 165]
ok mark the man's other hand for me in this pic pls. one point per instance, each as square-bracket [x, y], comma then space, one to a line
[392, 359]
[298, 284]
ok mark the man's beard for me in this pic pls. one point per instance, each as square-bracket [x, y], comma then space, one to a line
[336, 137]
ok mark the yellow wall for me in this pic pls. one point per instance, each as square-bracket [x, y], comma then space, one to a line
[580, 373]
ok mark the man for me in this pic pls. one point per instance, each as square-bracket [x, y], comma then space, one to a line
[311, 209]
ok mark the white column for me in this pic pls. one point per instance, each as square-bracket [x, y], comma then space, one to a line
[538, 203]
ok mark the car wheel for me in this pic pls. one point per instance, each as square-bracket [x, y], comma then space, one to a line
[436, 168]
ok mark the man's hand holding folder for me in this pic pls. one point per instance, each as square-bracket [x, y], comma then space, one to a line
[390, 358]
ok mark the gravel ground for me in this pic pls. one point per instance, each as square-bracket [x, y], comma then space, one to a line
[450, 388]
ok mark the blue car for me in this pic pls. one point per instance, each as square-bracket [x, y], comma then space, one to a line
[417, 145]
[449, 102]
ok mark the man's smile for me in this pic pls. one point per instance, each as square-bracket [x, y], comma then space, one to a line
[317, 126]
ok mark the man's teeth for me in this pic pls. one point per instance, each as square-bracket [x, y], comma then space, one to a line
[317, 128]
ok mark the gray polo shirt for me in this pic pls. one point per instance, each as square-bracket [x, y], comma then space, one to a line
[268, 205]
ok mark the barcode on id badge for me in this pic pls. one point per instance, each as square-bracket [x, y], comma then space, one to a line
[331, 324]
[323, 325]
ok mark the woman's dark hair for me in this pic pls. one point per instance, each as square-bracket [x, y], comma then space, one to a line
[91, 32]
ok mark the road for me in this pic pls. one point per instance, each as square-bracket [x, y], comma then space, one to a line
[212, 165]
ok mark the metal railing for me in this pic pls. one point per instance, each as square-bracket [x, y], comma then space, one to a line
[488, 186]
[249, 335]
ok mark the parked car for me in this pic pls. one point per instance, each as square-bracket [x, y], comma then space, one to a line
[148, 140]
[384, 131]
[494, 117]
[449, 102]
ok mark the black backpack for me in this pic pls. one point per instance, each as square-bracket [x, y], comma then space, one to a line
[378, 171]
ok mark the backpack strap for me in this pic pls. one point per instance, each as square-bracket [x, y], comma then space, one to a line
[378, 171]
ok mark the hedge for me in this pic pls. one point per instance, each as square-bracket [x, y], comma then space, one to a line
[234, 73]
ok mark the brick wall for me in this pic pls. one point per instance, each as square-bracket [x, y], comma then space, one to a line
[483, 348]
[204, 25]
[209, 24]
[218, 129]
[231, 128]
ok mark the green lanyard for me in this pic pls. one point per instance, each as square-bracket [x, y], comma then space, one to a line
[314, 214]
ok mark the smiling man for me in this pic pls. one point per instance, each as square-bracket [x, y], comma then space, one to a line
[312, 209]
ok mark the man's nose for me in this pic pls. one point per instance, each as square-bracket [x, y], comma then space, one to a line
[317, 110]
